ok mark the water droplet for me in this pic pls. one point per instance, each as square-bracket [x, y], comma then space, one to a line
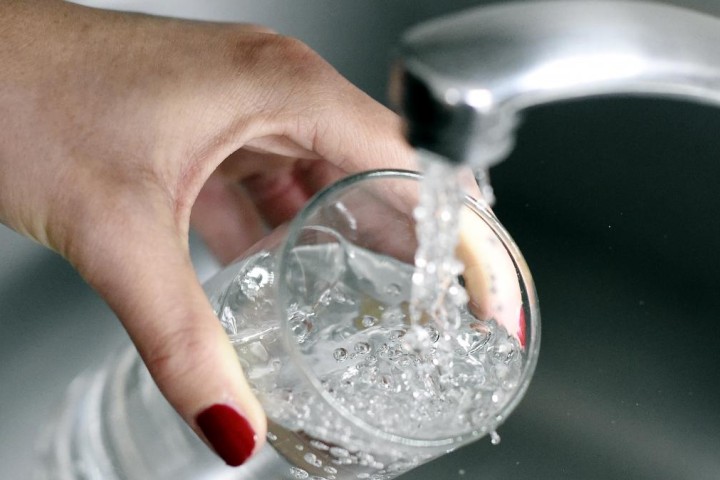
[313, 460]
[254, 280]
[387, 382]
[339, 452]
[299, 447]
[368, 321]
[393, 289]
[326, 298]
[472, 341]
[340, 354]
[301, 325]
[317, 444]
[330, 470]
[298, 472]
[361, 348]
[417, 340]
[271, 436]
[397, 334]
[433, 333]
[494, 438]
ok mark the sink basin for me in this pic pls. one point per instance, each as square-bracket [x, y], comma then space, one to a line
[614, 204]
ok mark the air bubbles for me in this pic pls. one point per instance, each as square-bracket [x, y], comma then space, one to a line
[368, 321]
[417, 340]
[339, 452]
[298, 473]
[494, 438]
[393, 290]
[254, 280]
[301, 325]
[340, 354]
[471, 341]
[312, 459]
[433, 333]
[362, 348]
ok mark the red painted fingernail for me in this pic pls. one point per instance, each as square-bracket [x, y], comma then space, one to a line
[521, 331]
[228, 432]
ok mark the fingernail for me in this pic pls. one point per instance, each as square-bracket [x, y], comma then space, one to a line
[521, 330]
[229, 433]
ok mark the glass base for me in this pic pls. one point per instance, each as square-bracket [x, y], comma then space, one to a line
[115, 425]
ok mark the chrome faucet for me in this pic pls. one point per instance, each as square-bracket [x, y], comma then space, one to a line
[461, 82]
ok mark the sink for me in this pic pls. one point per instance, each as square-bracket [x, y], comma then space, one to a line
[614, 204]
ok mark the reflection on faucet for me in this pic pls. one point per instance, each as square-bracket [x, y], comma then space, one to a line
[461, 81]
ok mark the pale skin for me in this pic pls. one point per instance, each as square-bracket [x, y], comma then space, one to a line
[119, 131]
[112, 127]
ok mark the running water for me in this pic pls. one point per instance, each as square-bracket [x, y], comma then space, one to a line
[438, 298]
[349, 313]
[392, 346]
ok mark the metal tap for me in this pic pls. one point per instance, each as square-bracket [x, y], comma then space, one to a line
[461, 82]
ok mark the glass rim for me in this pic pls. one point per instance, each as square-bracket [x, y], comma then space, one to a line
[525, 278]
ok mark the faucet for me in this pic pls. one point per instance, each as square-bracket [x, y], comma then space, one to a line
[461, 82]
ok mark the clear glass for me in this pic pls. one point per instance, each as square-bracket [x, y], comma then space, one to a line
[318, 315]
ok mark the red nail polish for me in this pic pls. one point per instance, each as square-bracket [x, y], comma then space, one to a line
[228, 432]
[521, 331]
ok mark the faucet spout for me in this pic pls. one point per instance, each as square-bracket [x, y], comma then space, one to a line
[460, 82]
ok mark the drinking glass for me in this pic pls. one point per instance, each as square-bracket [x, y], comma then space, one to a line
[318, 313]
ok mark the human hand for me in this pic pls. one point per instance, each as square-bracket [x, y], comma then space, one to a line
[112, 126]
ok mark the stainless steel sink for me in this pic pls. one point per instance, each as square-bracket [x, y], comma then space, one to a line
[625, 262]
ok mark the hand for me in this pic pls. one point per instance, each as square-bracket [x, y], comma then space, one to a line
[112, 126]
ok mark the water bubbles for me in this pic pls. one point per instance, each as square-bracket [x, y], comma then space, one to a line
[340, 354]
[339, 452]
[326, 298]
[301, 325]
[312, 459]
[271, 436]
[393, 290]
[387, 382]
[397, 376]
[502, 353]
[298, 473]
[254, 280]
[494, 438]
[394, 317]
[471, 341]
[368, 321]
[362, 348]
[396, 335]
[433, 333]
[417, 340]
[350, 373]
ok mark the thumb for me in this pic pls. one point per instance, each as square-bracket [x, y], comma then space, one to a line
[146, 276]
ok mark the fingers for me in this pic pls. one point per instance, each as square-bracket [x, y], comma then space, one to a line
[226, 218]
[316, 113]
[490, 277]
[145, 274]
[270, 181]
